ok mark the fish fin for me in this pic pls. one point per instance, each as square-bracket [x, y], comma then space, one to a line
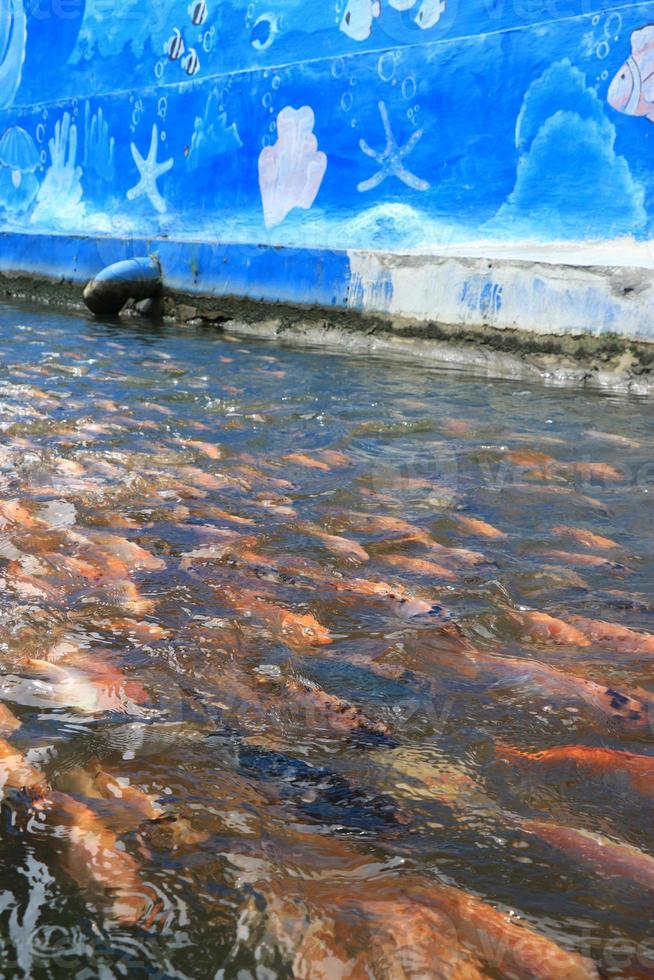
[93, 766]
[642, 38]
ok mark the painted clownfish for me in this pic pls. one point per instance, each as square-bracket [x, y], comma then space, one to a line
[632, 89]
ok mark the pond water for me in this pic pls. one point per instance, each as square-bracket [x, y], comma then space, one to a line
[317, 666]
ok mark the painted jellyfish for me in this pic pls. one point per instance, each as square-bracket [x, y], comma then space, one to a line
[13, 37]
[19, 159]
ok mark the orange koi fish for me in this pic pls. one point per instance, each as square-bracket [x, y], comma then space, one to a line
[583, 761]
[337, 545]
[629, 710]
[8, 721]
[129, 552]
[472, 525]
[620, 638]
[208, 448]
[17, 773]
[334, 458]
[210, 512]
[586, 538]
[339, 714]
[603, 472]
[310, 462]
[298, 631]
[97, 860]
[13, 512]
[595, 851]
[586, 561]
[456, 428]
[539, 464]
[612, 438]
[549, 629]
[420, 566]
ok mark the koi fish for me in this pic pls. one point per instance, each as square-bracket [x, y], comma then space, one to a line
[602, 472]
[129, 552]
[215, 513]
[207, 448]
[13, 512]
[472, 525]
[17, 773]
[549, 629]
[337, 545]
[630, 711]
[461, 556]
[334, 458]
[536, 463]
[620, 638]
[611, 437]
[96, 859]
[55, 684]
[380, 524]
[310, 462]
[8, 721]
[456, 428]
[583, 761]
[298, 631]
[586, 561]
[131, 805]
[586, 538]
[428, 929]
[340, 715]
[597, 852]
[420, 566]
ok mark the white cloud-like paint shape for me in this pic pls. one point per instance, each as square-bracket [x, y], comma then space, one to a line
[291, 171]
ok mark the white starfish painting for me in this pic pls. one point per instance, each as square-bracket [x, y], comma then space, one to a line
[150, 172]
[390, 159]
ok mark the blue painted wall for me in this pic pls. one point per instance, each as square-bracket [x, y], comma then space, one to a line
[383, 124]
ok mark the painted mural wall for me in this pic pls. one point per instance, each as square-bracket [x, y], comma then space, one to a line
[374, 124]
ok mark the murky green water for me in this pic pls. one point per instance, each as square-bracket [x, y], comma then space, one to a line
[281, 637]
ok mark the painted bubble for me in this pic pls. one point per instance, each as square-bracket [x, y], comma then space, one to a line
[602, 50]
[208, 39]
[409, 87]
[612, 24]
[346, 101]
[386, 66]
[338, 68]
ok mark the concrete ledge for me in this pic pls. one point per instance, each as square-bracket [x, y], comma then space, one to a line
[558, 322]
